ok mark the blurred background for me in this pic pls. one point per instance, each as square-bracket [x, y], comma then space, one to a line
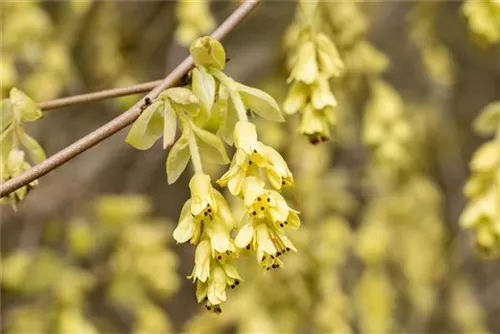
[90, 249]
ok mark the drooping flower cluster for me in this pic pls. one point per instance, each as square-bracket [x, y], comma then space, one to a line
[267, 212]
[313, 62]
[208, 112]
[482, 213]
[206, 221]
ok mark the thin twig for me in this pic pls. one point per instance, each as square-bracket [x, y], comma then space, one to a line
[99, 96]
[125, 119]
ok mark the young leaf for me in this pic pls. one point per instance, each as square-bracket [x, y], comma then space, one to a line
[210, 146]
[6, 114]
[229, 120]
[178, 157]
[488, 120]
[260, 102]
[6, 142]
[24, 105]
[204, 87]
[183, 99]
[148, 128]
[169, 125]
[36, 152]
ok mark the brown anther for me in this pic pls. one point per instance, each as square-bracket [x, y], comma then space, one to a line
[283, 182]
[249, 162]
[282, 225]
[268, 268]
[278, 254]
[274, 266]
[263, 258]
[206, 213]
[272, 257]
[233, 286]
[262, 208]
[268, 200]
[236, 282]
[286, 222]
[209, 210]
[287, 249]
[254, 213]
[248, 247]
[219, 257]
[254, 151]
[208, 307]
[259, 199]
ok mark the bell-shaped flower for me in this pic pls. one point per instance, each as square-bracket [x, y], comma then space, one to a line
[268, 243]
[251, 155]
[276, 168]
[202, 258]
[213, 291]
[202, 193]
[315, 123]
[209, 208]
[268, 204]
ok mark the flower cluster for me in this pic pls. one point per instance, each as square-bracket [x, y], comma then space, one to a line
[206, 221]
[482, 213]
[313, 61]
[213, 109]
[267, 212]
[15, 142]
[484, 20]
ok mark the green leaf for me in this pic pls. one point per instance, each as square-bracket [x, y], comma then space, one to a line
[229, 120]
[36, 152]
[260, 102]
[183, 99]
[207, 51]
[24, 105]
[169, 125]
[211, 147]
[148, 128]
[488, 120]
[6, 114]
[219, 109]
[178, 157]
[6, 142]
[203, 85]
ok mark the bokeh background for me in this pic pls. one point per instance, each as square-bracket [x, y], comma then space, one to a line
[90, 249]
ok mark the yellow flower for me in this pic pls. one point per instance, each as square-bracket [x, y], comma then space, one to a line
[251, 155]
[213, 291]
[319, 93]
[206, 207]
[263, 224]
[201, 193]
[315, 123]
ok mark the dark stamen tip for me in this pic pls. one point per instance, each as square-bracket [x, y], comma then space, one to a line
[236, 282]
[219, 257]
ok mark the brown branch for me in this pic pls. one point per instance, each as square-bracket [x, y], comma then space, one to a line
[125, 119]
[99, 96]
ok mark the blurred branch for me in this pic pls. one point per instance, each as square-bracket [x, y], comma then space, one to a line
[125, 119]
